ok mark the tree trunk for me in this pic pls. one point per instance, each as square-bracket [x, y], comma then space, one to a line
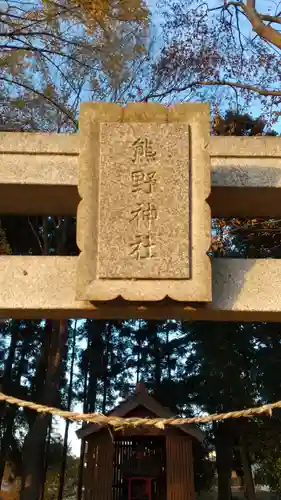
[6, 440]
[157, 358]
[69, 399]
[168, 356]
[138, 361]
[38, 381]
[247, 472]
[9, 413]
[46, 457]
[95, 350]
[105, 367]
[82, 446]
[11, 388]
[223, 446]
[34, 444]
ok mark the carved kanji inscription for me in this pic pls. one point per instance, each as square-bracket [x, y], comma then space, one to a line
[144, 213]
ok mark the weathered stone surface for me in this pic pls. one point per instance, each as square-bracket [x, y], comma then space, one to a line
[39, 143]
[143, 220]
[39, 175]
[44, 287]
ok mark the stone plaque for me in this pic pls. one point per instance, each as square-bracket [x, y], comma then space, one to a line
[143, 220]
[144, 201]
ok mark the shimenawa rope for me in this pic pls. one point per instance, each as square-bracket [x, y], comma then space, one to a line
[101, 419]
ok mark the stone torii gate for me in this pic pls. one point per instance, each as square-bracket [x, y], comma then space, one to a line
[146, 180]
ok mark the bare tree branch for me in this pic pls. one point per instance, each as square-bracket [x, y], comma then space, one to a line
[30, 48]
[265, 31]
[35, 234]
[271, 19]
[41, 94]
[202, 83]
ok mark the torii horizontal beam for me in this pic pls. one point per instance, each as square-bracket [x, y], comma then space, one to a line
[246, 175]
[44, 287]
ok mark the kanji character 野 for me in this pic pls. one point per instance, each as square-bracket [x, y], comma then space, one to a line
[143, 181]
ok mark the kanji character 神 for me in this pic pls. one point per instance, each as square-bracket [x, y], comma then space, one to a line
[145, 211]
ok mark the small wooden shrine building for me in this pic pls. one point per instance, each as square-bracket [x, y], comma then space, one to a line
[144, 463]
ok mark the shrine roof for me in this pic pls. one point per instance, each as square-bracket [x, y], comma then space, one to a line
[141, 398]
